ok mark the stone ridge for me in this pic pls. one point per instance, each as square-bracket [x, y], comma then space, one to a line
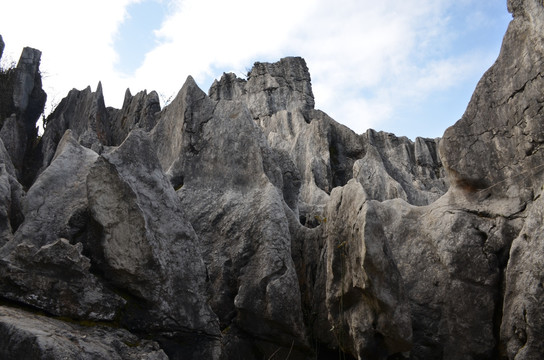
[247, 224]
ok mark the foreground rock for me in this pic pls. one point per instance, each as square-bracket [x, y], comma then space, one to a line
[217, 157]
[143, 244]
[43, 265]
[247, 224]
[29, 336]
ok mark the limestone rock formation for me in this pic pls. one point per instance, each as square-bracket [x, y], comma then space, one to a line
[30, 336]
[247, 224]
[144, 245]
[503, 123]
[82, 112]
[22, 104]
[138, 111]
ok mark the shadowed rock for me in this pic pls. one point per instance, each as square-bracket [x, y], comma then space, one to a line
[247, 224]
[19, 131]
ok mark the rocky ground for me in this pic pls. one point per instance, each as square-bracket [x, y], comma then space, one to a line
[246, 224]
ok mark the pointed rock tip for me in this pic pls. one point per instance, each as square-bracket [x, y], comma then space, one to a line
[190, 81]
[67, 139]
[190, 84]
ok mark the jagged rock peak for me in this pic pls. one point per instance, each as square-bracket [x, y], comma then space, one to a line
[23, 102]
[270, 87]
[138, 111]
[229, 87]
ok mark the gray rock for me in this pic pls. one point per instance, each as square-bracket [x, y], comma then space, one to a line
[82, 112]
[522, 323]
[229, 87]
[396, 167]
[273, 87]
[40, 269]
[138, 111]
[11, 195]
[58, 198]
[450, 261]
[307, 145]
[251, 213]
[14, 137]
[214, 153]
[29, 336]
[144, 244]
[56, 278]
[367, 306]
[19, 131]
[496, 147]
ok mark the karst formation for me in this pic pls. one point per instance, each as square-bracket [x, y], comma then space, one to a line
[246, 224]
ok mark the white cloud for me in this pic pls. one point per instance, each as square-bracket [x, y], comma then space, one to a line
[75, 37]
[368, 59]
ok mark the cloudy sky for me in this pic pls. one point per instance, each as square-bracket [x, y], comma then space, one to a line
[404, 66]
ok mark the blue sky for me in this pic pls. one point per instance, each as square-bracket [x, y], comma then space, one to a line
[403, 66]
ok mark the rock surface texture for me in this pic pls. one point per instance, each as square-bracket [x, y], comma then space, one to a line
[246, 224]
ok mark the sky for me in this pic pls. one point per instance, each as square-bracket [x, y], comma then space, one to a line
[404, 66]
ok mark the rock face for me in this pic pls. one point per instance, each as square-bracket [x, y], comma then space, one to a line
[29, 336]
[22, 103]
[247, 224]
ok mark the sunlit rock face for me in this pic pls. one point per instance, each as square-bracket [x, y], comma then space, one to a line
[245, 223]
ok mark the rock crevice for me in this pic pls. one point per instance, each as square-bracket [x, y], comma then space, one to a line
[245, 223]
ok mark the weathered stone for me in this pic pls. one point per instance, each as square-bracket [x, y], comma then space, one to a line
[58, 197]
[82, 112]
[19, 131]
[522, 323]
[450, 261]
[24, 335]
[11, 195]
[367, 307]
[138, 111]
[229, 87]
[36, 267]
[496, 146]
[214, 152]
[145, 246]
[273, 87]
[306, 239]
[396, 167]
[55, 278]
